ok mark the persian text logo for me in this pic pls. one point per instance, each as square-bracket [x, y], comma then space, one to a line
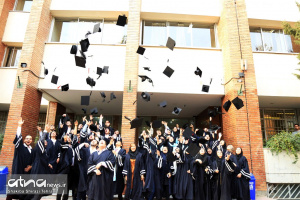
[24, 183]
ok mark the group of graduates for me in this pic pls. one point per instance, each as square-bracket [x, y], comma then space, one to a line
[97, 166]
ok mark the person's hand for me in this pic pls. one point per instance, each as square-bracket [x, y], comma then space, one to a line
[28, 168]
[239, 175]
[20, 122]
[96, 123]
[158, 152]
[98, 165]
[47, 128]
[217, 171]
[64, 115]
[125, 178]
[39, 128]
[227, 157]
[57, 160]
[111, 141]
[114, 152]
[98, 172]
[50, 166]
[86, 145]
[210, 118]
[84, 118]
[142, 177]
[220, 135]
[61, 126]
[188, 171]
[91, 117]
[169, 175]
[76, 123]
[206, 169]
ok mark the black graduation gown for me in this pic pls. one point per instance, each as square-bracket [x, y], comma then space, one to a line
[149, 163]
[53, 151]
[200, 177]
[41, 160]
[216, 179]
[227, 176]
[100, 186]
[139, 169]
[82, 155]
[22, 156]
[65, 159]
[242, 184]
[120, 158]
[161, 168]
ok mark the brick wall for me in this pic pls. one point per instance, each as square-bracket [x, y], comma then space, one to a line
[235, 126]
[26, 100]
[131, 72]
[54, 111]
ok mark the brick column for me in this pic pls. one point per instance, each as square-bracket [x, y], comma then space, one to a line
[54, 109]
[235, 123]
[5, 7]
[26, 100]
[131, 72]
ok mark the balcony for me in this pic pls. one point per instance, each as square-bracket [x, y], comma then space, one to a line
[15, 28]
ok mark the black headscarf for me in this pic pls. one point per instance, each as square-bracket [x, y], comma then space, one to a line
[219, 161]
[238, 156]
[203, 157]
[132, 154]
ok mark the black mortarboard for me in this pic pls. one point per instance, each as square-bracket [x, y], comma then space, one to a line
[93, 127]
[168, 71]
[198, 72]
[156, 124]
[97, 28]
[87, 34]
[205, 88]
[171, 43]
[84, 44]
[148, 123]
[105, 69]
[176, 111]
[147, 68]
[193, 149]
[121, 20]
[238, 103]
[73, 49]
[54, 79]
[94, 111]
[188, 132]
[200, 132]
[141, 50]
[99, 71]
[90, 81]
[227, 105]
[85, 100]
[202, 139]
[137, 122]
[171, 157]
[163, 104]
[82, 54]
[103, 95]
[143, 77]
[65, 87]
[112, 96]
[145, 96]
[80, 61]
[46, 71]
[84, 110]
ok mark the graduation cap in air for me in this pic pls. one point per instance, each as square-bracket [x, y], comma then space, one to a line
[85, 100]
[145, 96]
[94, 111]
[156, 124]
[84, 44]
[147, 68]
[105, 69]
[141, 50]
[103, 95]
[84, 110]
[65, 87]
[198, 72]
[121, 20]
[163, 104]
[87, 34]
[46, 71]
[82, 54]
[93, 127]
[171, 157]
[168, 71]
[193, 149]
[238, 103]
[205, 88]
[176, 111]
[54, 79]
[227, 105]
[171, 43]
[90, 81]
[112, 96]
[137, 122]
[99, 71]
[73, 49]
[80, 61]
[97, 28]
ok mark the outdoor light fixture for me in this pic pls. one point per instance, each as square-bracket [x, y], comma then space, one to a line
[24, 65]
[145, 96]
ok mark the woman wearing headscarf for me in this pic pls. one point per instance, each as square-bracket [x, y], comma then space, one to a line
[217, 169]
[199, 174]
[134, 172]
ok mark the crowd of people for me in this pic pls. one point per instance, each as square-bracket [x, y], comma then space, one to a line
[159, 166]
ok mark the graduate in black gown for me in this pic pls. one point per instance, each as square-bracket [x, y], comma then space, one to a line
[134, 172]
[119, 154]
[217, 168]
[199, 174]
[243, 176]
[101, 169]
[53, 151]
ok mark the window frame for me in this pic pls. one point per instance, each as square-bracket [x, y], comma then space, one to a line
[5, 59]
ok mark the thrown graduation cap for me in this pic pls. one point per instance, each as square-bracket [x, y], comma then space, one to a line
[227, 105]
[171, 157]
[46, 71]
[198, 72]
[97, 28]
[163, 104]
[103, 95]
[121, 20]
[145, 96]
[168, 71]
[82, 54]
[84, 110]
[84, 44]
[87, 34]
[93, 127]
[156, 124]
[187, 133]
[238, 103]
[141, 50]
[144, 78]
[54, 79]
[176, 111]
[94, 111]
[85, 100]
[80, 61]
[205, 88]
[137, 122]
[171, 43]
[193, 149]
[90, 81]
[105, 69]
[99, 71]
[147, 68]
[112, 96]
[73, 49]
[65, 87]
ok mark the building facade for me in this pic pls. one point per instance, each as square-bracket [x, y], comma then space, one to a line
[221, 37]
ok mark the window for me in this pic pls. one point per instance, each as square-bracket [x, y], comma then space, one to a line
[270, 40]
[23, 5]
[12, 57]
[72, 31]
[185, 34]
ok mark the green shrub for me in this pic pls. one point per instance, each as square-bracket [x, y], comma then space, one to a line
[285, 141]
